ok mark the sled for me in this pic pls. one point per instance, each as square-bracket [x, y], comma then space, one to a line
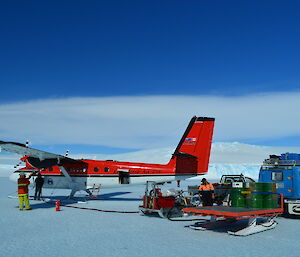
[226, 217]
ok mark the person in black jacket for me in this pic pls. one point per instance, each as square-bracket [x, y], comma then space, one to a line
[39, 181]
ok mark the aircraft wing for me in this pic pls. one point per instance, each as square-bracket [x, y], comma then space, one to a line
[38, 158]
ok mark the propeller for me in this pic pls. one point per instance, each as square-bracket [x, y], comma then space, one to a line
[27, 143]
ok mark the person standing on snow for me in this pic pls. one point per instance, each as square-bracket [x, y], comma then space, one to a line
[207, 192]
[39, 181]
[23, 183]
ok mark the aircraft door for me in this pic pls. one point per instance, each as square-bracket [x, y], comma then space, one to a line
[124, 176]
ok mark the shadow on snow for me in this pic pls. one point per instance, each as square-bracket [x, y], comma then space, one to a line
[49, 201]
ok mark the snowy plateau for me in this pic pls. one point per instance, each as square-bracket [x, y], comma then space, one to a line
[80, 232]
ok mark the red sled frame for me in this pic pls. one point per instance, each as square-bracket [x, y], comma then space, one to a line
[224, 215]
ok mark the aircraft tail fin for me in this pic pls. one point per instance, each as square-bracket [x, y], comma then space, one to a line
[193, 151]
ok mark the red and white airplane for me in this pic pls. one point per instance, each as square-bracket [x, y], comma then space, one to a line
[191, 158]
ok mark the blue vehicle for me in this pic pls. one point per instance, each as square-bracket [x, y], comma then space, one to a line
[284, 170]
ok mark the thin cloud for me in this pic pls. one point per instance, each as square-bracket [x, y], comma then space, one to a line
[148, 121]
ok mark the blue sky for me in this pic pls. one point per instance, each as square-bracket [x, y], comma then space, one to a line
[65, 49]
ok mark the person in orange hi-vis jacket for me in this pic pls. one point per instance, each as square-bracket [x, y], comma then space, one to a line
[207, 192]
[23, 183]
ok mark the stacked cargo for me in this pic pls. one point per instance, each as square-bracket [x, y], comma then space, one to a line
[254, 195]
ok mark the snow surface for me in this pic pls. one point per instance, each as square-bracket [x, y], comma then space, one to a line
[76, 233]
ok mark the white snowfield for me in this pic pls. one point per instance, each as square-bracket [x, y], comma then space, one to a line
[76, 232]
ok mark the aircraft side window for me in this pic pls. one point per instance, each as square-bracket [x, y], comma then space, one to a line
[51, 169]
[106, 169]
[96, 169]
[84, 170]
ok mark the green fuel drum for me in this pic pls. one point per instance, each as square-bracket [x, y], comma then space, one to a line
[237, 198]
[262, 196]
